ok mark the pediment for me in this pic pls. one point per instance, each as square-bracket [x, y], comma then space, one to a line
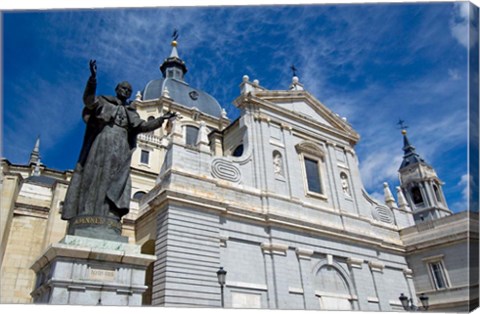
[304, 105]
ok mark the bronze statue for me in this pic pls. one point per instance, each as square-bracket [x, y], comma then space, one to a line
[99, 192]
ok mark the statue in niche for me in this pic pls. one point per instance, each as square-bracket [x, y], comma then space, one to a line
[345, 186]
[99, 192]
[277, 164]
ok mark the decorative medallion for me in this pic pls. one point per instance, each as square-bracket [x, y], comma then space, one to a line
[383, 214]
[224, 169]
[193, 95]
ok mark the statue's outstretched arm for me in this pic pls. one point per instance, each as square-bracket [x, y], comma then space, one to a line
[89, 98]
[148, 126]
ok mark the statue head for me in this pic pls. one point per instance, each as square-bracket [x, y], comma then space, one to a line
[123, 90]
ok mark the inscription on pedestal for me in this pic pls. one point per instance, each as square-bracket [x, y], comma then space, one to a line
[96, 220]
[101, 274]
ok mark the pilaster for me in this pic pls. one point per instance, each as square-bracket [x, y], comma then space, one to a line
[408, 273]
[305, 264]
[334, 175]
[10, 186]
[376, 268]
[278, 253]
[268, 252]
[360, 278]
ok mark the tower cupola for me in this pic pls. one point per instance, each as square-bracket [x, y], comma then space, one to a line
[173, 66]
[174, 87]
[420, 185]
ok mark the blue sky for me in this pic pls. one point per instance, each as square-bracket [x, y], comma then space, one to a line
[372, 63]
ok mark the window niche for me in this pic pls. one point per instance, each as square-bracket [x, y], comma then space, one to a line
[278, 164]
[345, 184]
[312, 157]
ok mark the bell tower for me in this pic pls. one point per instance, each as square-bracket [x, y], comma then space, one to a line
[420, 185]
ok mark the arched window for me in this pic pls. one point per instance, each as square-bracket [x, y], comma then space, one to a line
[191, 134]
[437, 193]
[138, 195]
[238, 152]
[416, 195]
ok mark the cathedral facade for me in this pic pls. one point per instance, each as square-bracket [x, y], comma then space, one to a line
[274, 197]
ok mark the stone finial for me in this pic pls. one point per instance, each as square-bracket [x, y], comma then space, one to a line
[402, 202]
[166, 93]
[256, 82]
[224, 113]
[296, 85]
[138, 96]
[245, 78]
[389, 200]
[35, 154]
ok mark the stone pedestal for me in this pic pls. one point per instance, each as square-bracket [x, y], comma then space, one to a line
[88, 271]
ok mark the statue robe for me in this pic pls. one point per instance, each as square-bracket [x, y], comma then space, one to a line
[101, 184]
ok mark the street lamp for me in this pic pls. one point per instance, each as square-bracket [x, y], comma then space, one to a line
[221, 273]
[408, 303]
[424, 299]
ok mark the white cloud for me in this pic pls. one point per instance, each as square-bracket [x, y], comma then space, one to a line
[464, 184]
[454, 74]
[460, 23]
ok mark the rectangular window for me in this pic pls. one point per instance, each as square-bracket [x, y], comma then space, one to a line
[144, 156]
[438, 274]
[192, 134]
[313, 175]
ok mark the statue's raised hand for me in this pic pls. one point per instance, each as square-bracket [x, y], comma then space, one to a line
[170, 115]
[93, 68]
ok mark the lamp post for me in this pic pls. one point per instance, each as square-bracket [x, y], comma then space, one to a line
[408, 303]
[221, 273]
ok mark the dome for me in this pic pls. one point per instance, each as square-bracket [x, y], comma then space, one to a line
[183, 94]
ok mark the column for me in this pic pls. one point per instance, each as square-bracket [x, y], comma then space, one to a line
[427, 201]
